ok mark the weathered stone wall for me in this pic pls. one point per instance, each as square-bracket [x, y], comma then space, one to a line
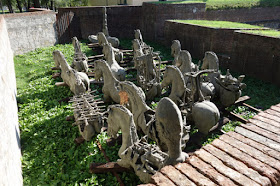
[257, 56]
[122, 21]
[10, 151]
[28, 31]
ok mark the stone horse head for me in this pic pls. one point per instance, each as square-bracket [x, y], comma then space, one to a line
[101, 38]
[210, 61]
[121, 118]
[138, 35]
[175, 47]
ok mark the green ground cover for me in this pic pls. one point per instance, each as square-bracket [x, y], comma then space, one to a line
[219, 24]
[270, 33]
[50, 156]
[229, 4]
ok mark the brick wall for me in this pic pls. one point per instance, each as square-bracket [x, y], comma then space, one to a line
[122, 21]
[199, 39]
[28, 31]
[10, 150]
[257, 56]
[253, 55]
[154, 16]
[150, 18]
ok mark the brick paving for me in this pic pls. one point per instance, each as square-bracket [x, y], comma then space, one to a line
[248, 156]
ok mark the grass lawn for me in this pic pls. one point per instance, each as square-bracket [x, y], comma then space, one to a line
[230, 4]
[220, 24]
[270, 33]
[49, 155]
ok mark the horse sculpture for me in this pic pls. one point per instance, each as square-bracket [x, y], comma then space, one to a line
[145, 158]
[77, 81]
[103, 40]
[204, 113]
[182, 58]
[146, 48]
[173, 76]
[227, 88]
[109, 56]
[137, 49]
[148, 76]
[121, 118]
[137, 105]
[80, 59]
[110, 87]
[112, 40]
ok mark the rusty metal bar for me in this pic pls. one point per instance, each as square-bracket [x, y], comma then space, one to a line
[108, 160]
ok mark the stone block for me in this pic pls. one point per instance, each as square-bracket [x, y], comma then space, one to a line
[264, 132]
[263, 148]
[257, 165]
[176, 176]
[264, 125]
[237, 165]
[256, 137]
[269, 116]
[267, 120]
[251, 151]
[194, 175]
[223, 169]
[160, 179]
[272, 112]
[209, 171]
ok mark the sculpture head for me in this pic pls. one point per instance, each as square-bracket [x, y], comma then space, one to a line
[166, 77]
[138, 35]
[170, 73]
[184, 57]
[101, 38]
[107, 50]
[76, 45]
[98, 68]
[175, 47]
[136, 44]
[114, 118]
[210, 61]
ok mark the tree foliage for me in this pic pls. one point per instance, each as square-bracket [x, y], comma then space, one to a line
[50, 4]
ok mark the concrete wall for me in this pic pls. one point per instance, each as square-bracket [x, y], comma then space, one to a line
[122, 21]
[28, 31]
[10, 153]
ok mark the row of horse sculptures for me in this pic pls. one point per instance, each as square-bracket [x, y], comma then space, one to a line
[192, 91]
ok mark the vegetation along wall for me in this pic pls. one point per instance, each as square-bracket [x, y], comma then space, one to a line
[10, 151]
[28, 31]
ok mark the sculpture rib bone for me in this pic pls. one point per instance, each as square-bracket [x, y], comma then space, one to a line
[77, 81]
[88, 115]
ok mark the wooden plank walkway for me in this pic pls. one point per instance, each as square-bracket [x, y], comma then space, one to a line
[248, 156]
